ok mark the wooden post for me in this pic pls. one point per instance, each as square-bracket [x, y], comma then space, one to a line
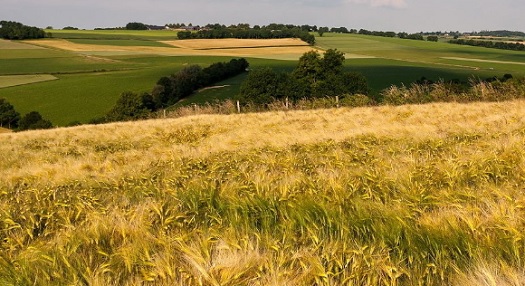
[238, 107]
[287, 106]
[337, 101]
[164, 111]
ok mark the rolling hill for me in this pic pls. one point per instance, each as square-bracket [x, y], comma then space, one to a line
[408, 195]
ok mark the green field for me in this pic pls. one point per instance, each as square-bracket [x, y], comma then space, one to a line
[89, 83]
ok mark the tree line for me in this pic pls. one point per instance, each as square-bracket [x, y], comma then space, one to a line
[10, 30]
[272, 31]
[315, 76]
[490, 44]
[170, 89]
[11, 119]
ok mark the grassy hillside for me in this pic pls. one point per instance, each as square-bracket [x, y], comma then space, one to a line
[409, 195]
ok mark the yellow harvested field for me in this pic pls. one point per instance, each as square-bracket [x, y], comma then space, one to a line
[4, 130]
[14, 80]
[283, 49]
[234, 43]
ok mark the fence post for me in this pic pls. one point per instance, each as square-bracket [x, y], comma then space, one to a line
[238, 107]
[337, 101]
[164, 113]
[287, 105]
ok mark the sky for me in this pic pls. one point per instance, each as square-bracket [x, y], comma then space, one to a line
[377, 15]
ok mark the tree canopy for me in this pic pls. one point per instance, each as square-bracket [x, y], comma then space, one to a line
[314, 76]
[136, 26]
[17, 31]
[9, 117]
[33, 120]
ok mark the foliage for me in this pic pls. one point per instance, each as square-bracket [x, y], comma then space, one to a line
[263, 85]
[272, 31]
[32, 121]
[432, 38]
[314, 77]
[9, 117]
[136, 26]
[17, 31]
[170, 90]
[490, 44]
[496, 90]
[322, 30]
[500, 33]
[131, 106]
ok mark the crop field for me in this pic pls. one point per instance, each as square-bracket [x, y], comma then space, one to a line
[14, 80]
[94, 67]
[235, 43]
[126, 43]
[409, 195]
[115, 34]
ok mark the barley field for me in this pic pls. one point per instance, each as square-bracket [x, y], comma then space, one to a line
[409, 195]
[282, 49]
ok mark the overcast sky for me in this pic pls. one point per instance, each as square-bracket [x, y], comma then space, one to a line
[384, 15]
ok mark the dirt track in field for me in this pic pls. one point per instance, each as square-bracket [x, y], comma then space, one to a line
[286, 49]
[483, 61]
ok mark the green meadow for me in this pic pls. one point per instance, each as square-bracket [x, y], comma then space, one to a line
[89, 83]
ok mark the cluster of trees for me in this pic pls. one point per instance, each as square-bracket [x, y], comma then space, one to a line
[499, 33]
[388, 34]
[272, 31]
[490, 44]
[10, 118]
[17, 31]
[136, 26]
[315, 76]
[171, 89]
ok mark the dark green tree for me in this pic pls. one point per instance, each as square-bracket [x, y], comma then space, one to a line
[9, 117]
[314, 76]
[131, 106]
[17, 31]
[322, 30]
[136, 26]
[33, 120]
[262, 86]
[332, 62]
[309, 68]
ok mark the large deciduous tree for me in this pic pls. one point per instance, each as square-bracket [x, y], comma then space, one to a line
[314, 76]
[131, 106]
[136, 26]
[9, 117]
[33, 120]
